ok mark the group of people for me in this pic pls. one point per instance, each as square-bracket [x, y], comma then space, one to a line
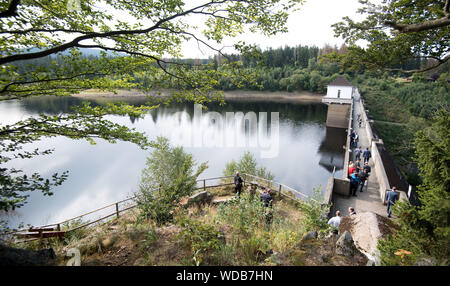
[265, 197]
[336, 220]
[358, 175]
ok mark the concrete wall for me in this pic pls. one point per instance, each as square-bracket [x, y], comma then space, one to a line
[341, 187]
[383, 181]
[329, 191]
[347, 144]
[365, 119]
[338, 115]
[382, 177]
[345, 91]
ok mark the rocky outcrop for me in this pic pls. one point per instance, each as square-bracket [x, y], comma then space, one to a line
[309, 236]
[200, 199]
[10, 256]
[366, 229]
[345, 246]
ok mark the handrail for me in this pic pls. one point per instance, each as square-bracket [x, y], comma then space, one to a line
[280, 184]
[118, 211]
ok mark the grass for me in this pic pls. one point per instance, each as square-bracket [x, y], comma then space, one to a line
[206, 235]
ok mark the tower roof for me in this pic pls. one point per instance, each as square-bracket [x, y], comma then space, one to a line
[341, 81]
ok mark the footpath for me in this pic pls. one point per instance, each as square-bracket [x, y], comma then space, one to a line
[369, 199]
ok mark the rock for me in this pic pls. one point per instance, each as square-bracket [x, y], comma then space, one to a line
[426, 261]
[200, 198]
[366, 229]
[10, 256]
[309, 236]
[345, 245]
[107, 242]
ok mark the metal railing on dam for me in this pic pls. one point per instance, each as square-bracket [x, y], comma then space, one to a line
[115, 209]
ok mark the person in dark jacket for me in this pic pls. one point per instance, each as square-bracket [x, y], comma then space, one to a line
[354, 182]
[391, 198]
[362, 176]
[358, 153]
[352, 138]
[266, 198]
[367, 167]
[351, 211]
[238, 184]
[366, 155]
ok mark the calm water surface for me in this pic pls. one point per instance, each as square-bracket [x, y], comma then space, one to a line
[104, 173]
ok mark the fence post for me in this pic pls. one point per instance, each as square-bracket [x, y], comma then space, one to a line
[58, 227]
[117, 209]
[204, 185]
[279, 191]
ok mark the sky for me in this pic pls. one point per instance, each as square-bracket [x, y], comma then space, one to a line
[311, 26]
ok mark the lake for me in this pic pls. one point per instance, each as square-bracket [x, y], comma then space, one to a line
[295, 146]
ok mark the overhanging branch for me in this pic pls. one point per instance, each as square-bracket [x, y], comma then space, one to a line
[12, 9]
[424, 26]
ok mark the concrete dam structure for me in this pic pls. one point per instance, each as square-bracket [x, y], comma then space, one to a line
[338, 115]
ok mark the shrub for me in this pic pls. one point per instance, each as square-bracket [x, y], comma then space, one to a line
[244, 214]
[202, 238]
[315, 212]
[169, 176]
[247, 164]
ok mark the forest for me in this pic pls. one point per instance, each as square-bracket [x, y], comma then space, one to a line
[401, 104]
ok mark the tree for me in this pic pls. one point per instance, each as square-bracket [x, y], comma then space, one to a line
[424, 230]
[167, 178]
[134, 36]
[397, 31]
[315, 212]
[247, 164]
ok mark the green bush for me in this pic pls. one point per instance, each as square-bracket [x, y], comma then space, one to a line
[244, 214]
[423, 231]
[247, 164]
[202, 238]
[315, 213]
[168, 177]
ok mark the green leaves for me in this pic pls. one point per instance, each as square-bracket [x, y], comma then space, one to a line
[315, 213]
[202, 238]
[169, 176]
[247, 164]
[388, 44]
[424, 230]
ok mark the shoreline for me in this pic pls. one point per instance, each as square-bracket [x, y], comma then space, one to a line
[280, 96]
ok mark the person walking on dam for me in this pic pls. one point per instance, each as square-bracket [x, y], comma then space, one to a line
[391, 198]
[358, 152]
[366, 155]
[354, 183]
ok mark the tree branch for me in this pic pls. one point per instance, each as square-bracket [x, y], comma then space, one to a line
[77, 40]
[424, 26]
[5, 88]
[12, 9]
[447, 8]
[438, 63]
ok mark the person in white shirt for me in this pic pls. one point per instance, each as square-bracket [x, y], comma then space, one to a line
[335, 221]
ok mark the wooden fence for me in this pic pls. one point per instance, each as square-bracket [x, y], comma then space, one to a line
[56, 229]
